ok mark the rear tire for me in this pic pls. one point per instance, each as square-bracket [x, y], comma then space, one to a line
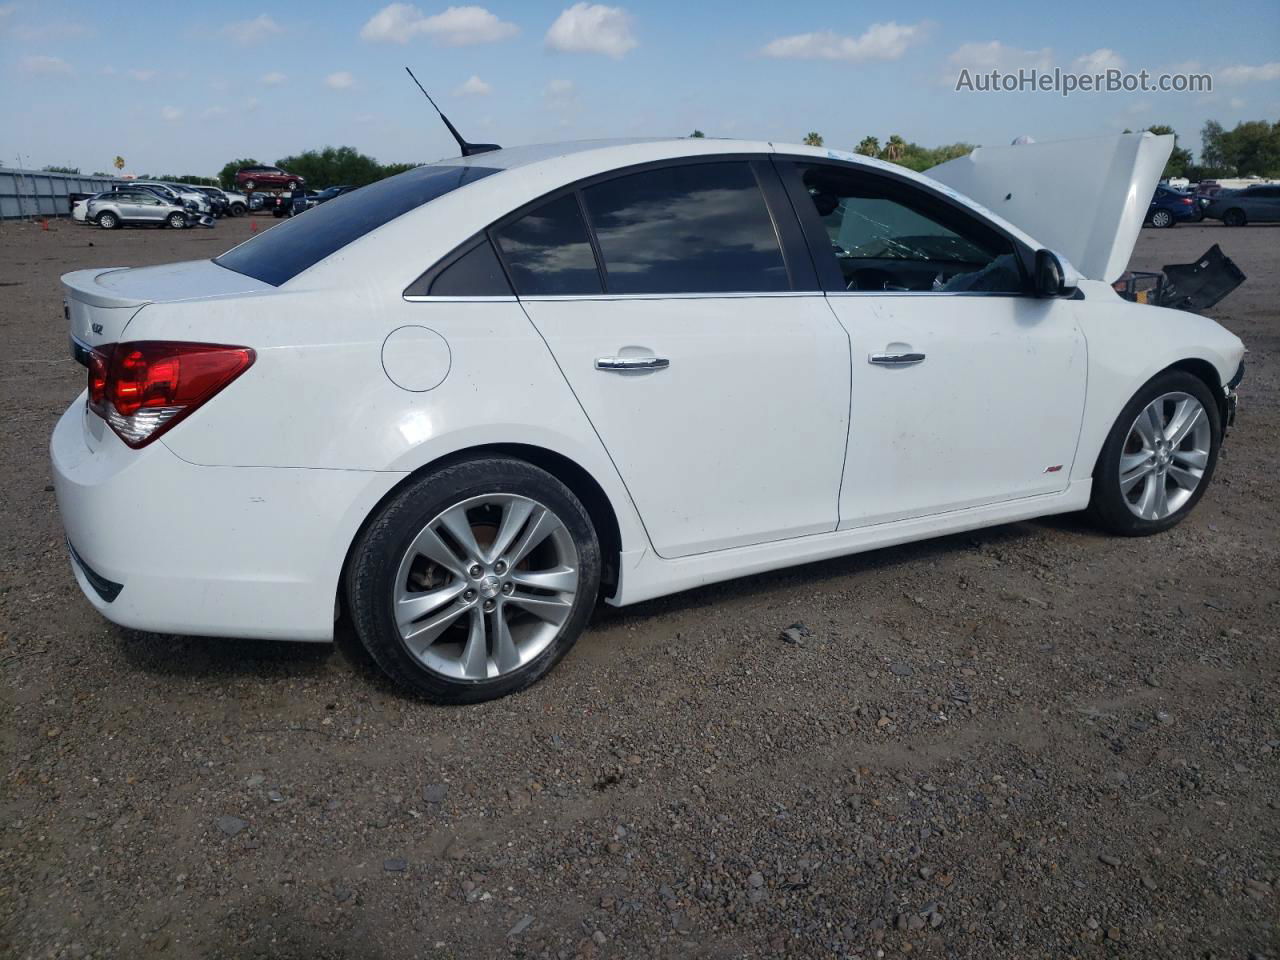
[1235, 217]
[1162, 219]
[1141, 479]
[249, 185]
[474, 580]
[176, 221]
[237, 210]
[108, 221]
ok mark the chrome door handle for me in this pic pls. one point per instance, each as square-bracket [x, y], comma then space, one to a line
[632, 363]
[896, 359]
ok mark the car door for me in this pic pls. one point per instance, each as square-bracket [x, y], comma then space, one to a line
[1267, 204]
[682, 309]
[966, 390]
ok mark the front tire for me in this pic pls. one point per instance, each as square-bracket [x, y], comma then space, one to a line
[1162, 219]
[176, 221]
[474, 580]
[249, 185]
[1235, 217]
[108, 221]
[1158, 458]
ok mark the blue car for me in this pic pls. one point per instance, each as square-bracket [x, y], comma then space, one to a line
[1170, 206]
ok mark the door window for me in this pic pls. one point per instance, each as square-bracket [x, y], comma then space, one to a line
[548, 252]
[886, 236]
[688, 228]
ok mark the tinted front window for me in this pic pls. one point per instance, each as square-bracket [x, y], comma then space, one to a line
[887, 236]
[690, 228]
[547, 251]
[283, 252]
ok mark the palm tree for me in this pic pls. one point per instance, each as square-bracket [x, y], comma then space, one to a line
[118, 163]
[894, 149]
[869, 147]
[813, 139]
[697, 135]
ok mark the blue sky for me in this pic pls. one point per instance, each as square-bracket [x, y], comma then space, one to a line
[178, 88]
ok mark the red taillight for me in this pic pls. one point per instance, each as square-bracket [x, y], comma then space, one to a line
[142, 389]
[1188, 201]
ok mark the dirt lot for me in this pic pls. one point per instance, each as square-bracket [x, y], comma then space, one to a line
[1033, 741]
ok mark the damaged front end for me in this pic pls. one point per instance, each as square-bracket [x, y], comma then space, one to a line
[1194, 287]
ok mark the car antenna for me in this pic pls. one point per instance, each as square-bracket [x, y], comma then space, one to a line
[467, 148]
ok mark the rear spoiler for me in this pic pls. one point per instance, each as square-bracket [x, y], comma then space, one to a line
[1194, 287]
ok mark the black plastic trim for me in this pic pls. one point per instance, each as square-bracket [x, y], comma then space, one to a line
[1238, 378]
[108, 590]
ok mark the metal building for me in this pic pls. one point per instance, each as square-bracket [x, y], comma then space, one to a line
[36, 193]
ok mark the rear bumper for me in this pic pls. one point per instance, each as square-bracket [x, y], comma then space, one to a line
[163, 545]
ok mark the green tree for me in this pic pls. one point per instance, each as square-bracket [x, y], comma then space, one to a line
[60, 169]
[227, 175]
[1252, 148]
[118, 163]
[813, 139]
[894, 149]
[697, 135]
[868, 147]
[338, 165]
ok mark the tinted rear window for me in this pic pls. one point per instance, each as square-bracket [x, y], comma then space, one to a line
[284, 251]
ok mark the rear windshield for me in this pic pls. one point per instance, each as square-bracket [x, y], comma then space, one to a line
[284, 251]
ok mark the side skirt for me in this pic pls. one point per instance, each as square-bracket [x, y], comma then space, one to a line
[644, 575]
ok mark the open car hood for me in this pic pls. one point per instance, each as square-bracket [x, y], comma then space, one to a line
[1083, 199]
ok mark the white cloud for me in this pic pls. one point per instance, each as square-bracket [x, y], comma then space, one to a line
[1236, 103]
[215, 112]
[248, 33]
[108, 71]
[1100, 61]
[880, 41]
[455, 27]
[342, 80]
[172, 113]
[251, 103]
[274, 79]
[985, 57]
[44, 65]
[592, 28]
[1241, 73]
[473, 87]
[142, 76]
[6, 11]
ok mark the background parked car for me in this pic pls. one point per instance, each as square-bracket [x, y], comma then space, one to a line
[219, 206]
[140, 206]
[1257, 204]
[261, 201]
[187, 198]
[251, 178]
[328, 193]
[1169, 207]
[237, 203]
[291, 204]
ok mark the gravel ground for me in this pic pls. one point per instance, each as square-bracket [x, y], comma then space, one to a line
[1030, 741]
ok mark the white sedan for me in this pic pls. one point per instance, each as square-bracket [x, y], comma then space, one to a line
[464, 403]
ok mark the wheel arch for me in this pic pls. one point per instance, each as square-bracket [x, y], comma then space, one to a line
[585, 487]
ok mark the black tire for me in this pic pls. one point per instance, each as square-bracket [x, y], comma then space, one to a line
[108, 221]
[249, 185]
[1162, 219]
[175, 221]
[1107, 505]
[293, 185]
[375, 562]
[237, 210]
[1235, 217]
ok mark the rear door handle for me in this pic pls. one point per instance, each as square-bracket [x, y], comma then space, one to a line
[895, 359]
[632, 363]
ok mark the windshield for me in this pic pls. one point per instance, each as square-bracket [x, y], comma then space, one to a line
[284, 251]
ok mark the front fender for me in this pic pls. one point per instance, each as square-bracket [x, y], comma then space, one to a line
[1128, 344]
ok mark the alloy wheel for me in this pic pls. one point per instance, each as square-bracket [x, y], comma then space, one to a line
[485, 586]
[1165, 455]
